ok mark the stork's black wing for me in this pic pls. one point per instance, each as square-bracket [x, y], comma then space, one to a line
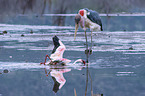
[94, 17]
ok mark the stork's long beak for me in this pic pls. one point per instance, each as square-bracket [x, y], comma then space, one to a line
[76, 29]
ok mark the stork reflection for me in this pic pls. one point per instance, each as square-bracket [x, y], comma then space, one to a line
[88, 76]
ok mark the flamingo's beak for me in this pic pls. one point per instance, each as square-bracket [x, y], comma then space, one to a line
[76, 29]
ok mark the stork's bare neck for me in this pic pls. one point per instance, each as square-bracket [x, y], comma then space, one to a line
[77, 19]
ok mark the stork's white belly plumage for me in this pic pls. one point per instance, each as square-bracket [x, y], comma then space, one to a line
[93, 26]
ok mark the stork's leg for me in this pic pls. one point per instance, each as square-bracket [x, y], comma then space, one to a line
[86, 51]
[86, 40]
[91, 39]
[90, 51]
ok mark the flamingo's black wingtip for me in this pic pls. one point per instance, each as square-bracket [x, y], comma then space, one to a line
[56, 43]
[55, 37]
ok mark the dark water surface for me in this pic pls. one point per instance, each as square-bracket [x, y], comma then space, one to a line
[116, 67]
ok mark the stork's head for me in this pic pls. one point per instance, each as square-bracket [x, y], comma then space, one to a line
[77, 21]
[83, 12]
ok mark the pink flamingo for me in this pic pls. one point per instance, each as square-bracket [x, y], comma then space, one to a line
[56, 57]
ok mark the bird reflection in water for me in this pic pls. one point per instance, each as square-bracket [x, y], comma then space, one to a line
[88, 76]
[58, 78]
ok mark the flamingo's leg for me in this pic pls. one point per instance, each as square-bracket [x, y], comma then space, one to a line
[45, 59]
[46, 72]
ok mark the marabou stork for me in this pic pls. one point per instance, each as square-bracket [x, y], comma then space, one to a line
[88, 19]
[56, 57]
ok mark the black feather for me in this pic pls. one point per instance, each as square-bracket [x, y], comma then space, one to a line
[56, 85]
[56, 43]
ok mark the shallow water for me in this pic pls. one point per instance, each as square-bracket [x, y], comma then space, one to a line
[114, 69]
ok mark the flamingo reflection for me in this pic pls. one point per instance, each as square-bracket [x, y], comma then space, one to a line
[58, 78]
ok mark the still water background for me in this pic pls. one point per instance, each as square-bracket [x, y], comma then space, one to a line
[116, 66]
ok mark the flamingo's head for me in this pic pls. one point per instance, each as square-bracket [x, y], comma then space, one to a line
[81, 61]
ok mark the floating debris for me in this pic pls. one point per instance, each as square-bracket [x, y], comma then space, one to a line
[22, 35]
[10, 57]
[131, 48]
[37, 16]
[97, 94]
[1, 33]
[5, 32]
[124, 30]
[31, 32]
[5, 71]
[95, 45]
